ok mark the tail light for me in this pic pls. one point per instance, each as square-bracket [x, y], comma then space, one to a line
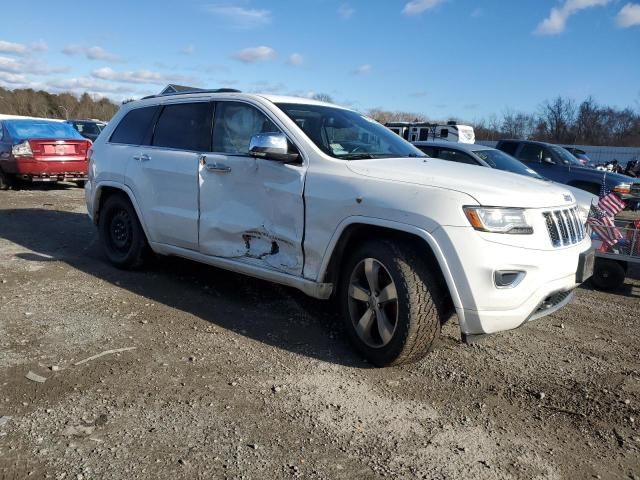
[84, 149]
[22, 149]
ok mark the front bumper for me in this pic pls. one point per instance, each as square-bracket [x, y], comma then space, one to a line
[473, 258]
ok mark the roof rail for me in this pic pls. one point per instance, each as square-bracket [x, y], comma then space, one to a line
[195, 90]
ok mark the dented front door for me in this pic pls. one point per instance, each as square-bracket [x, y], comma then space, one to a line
[251, 209]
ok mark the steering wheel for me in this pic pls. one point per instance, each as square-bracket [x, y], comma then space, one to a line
[357, 150]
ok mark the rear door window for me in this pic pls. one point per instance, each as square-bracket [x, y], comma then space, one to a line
[530, 153]
[509, 147]
[135, 127]
[456, 156]
[431, 151]
[184, 126]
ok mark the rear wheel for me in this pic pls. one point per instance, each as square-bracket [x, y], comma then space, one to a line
[123, 240]
[80, 183]
[6, 181]
[608, 274]
[391, 303]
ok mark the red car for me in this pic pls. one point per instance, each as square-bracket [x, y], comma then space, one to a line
[41, 150]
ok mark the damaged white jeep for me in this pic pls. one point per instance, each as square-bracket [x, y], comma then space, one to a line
[323, 199]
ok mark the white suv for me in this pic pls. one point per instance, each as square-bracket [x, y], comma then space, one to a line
[323, 199]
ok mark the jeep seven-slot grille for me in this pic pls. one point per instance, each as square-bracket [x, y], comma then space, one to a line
[564, 227]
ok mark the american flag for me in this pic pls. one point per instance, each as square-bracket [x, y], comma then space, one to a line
[602, 224]
[611, 204]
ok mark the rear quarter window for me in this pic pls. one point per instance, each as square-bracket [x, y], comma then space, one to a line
[135, 127]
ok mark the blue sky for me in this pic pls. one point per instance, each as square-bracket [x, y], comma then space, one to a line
[441, 58]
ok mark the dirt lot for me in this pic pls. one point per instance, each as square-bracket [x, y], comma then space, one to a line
[237, 378]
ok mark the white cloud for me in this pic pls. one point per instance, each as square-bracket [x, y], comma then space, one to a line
[241, 17]
[556, 22]
[21, 48]
[188, 50]
[138, 76]
[346, 11]
[295, 59]
[23, 66]
[87, 84]
[255, 54]
[12, 78]
[416, 7]
[92, 53]
[363, 70]
[629, 16]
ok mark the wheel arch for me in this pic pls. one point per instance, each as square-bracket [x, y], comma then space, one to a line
[355, 230]
[104, 190]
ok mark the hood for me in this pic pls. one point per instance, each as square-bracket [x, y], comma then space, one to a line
[488, 186]
[597, 175]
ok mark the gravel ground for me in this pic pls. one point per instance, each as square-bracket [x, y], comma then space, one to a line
[231, 377]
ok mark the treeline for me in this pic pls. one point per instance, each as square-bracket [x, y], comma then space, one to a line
[38, 103]
[564, 121]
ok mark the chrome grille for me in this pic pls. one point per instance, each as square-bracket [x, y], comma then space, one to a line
[564, 227]
[635, 189]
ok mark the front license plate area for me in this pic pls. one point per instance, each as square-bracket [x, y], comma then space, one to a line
[585, 266]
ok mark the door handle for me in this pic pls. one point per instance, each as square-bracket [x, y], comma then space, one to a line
[142, 158]
[218, 167]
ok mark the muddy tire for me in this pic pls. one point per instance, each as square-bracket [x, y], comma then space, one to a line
[608, 274]
[121, 235]
[391, 303]
[6, 182]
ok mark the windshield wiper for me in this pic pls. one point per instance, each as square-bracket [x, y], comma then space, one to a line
[356, 156]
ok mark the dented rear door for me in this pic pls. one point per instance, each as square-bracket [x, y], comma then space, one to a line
[251, 209]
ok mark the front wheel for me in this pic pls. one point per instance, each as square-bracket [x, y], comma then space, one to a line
[391, 303]
[121, 235]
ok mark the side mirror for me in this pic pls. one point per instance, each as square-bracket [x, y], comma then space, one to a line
[548, 160]
[271, 146]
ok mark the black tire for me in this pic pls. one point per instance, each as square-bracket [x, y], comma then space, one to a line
[608, 274]
[6, 181]
[121, 235]
[418, 308]
[80, 183]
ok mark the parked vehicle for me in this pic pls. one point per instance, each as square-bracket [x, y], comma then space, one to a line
[41, 150]
[555, 163]
[423, 131]
[581, 155]
[88, 128]
[490, 157]
[323, 199]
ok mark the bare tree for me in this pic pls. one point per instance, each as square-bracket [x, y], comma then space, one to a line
[557, 117]
[322, 97]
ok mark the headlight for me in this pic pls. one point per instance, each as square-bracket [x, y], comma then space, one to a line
[622, 188]
[499, 220]
[583, 213]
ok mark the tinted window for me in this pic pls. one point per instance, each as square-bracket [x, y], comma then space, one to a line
[508, 147]
[456, 156]
[424, 134]
[500, 160]
[235, 123]
[186, 126]
[530, 153]
[135, 127]
[428, 150]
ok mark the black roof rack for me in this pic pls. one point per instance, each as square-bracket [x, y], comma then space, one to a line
[195, 90]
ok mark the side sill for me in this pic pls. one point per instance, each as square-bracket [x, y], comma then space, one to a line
[321, 291]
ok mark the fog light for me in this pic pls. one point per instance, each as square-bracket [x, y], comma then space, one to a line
[508, 278]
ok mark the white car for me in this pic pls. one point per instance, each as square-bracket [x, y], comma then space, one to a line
[323, 199]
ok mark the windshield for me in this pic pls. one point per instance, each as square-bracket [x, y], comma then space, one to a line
[346, 134]
[500, 160]
[565, 156]
[26, 129]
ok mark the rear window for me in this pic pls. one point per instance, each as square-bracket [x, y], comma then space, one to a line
[27, 129]
[186, 126]
[135, 127]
